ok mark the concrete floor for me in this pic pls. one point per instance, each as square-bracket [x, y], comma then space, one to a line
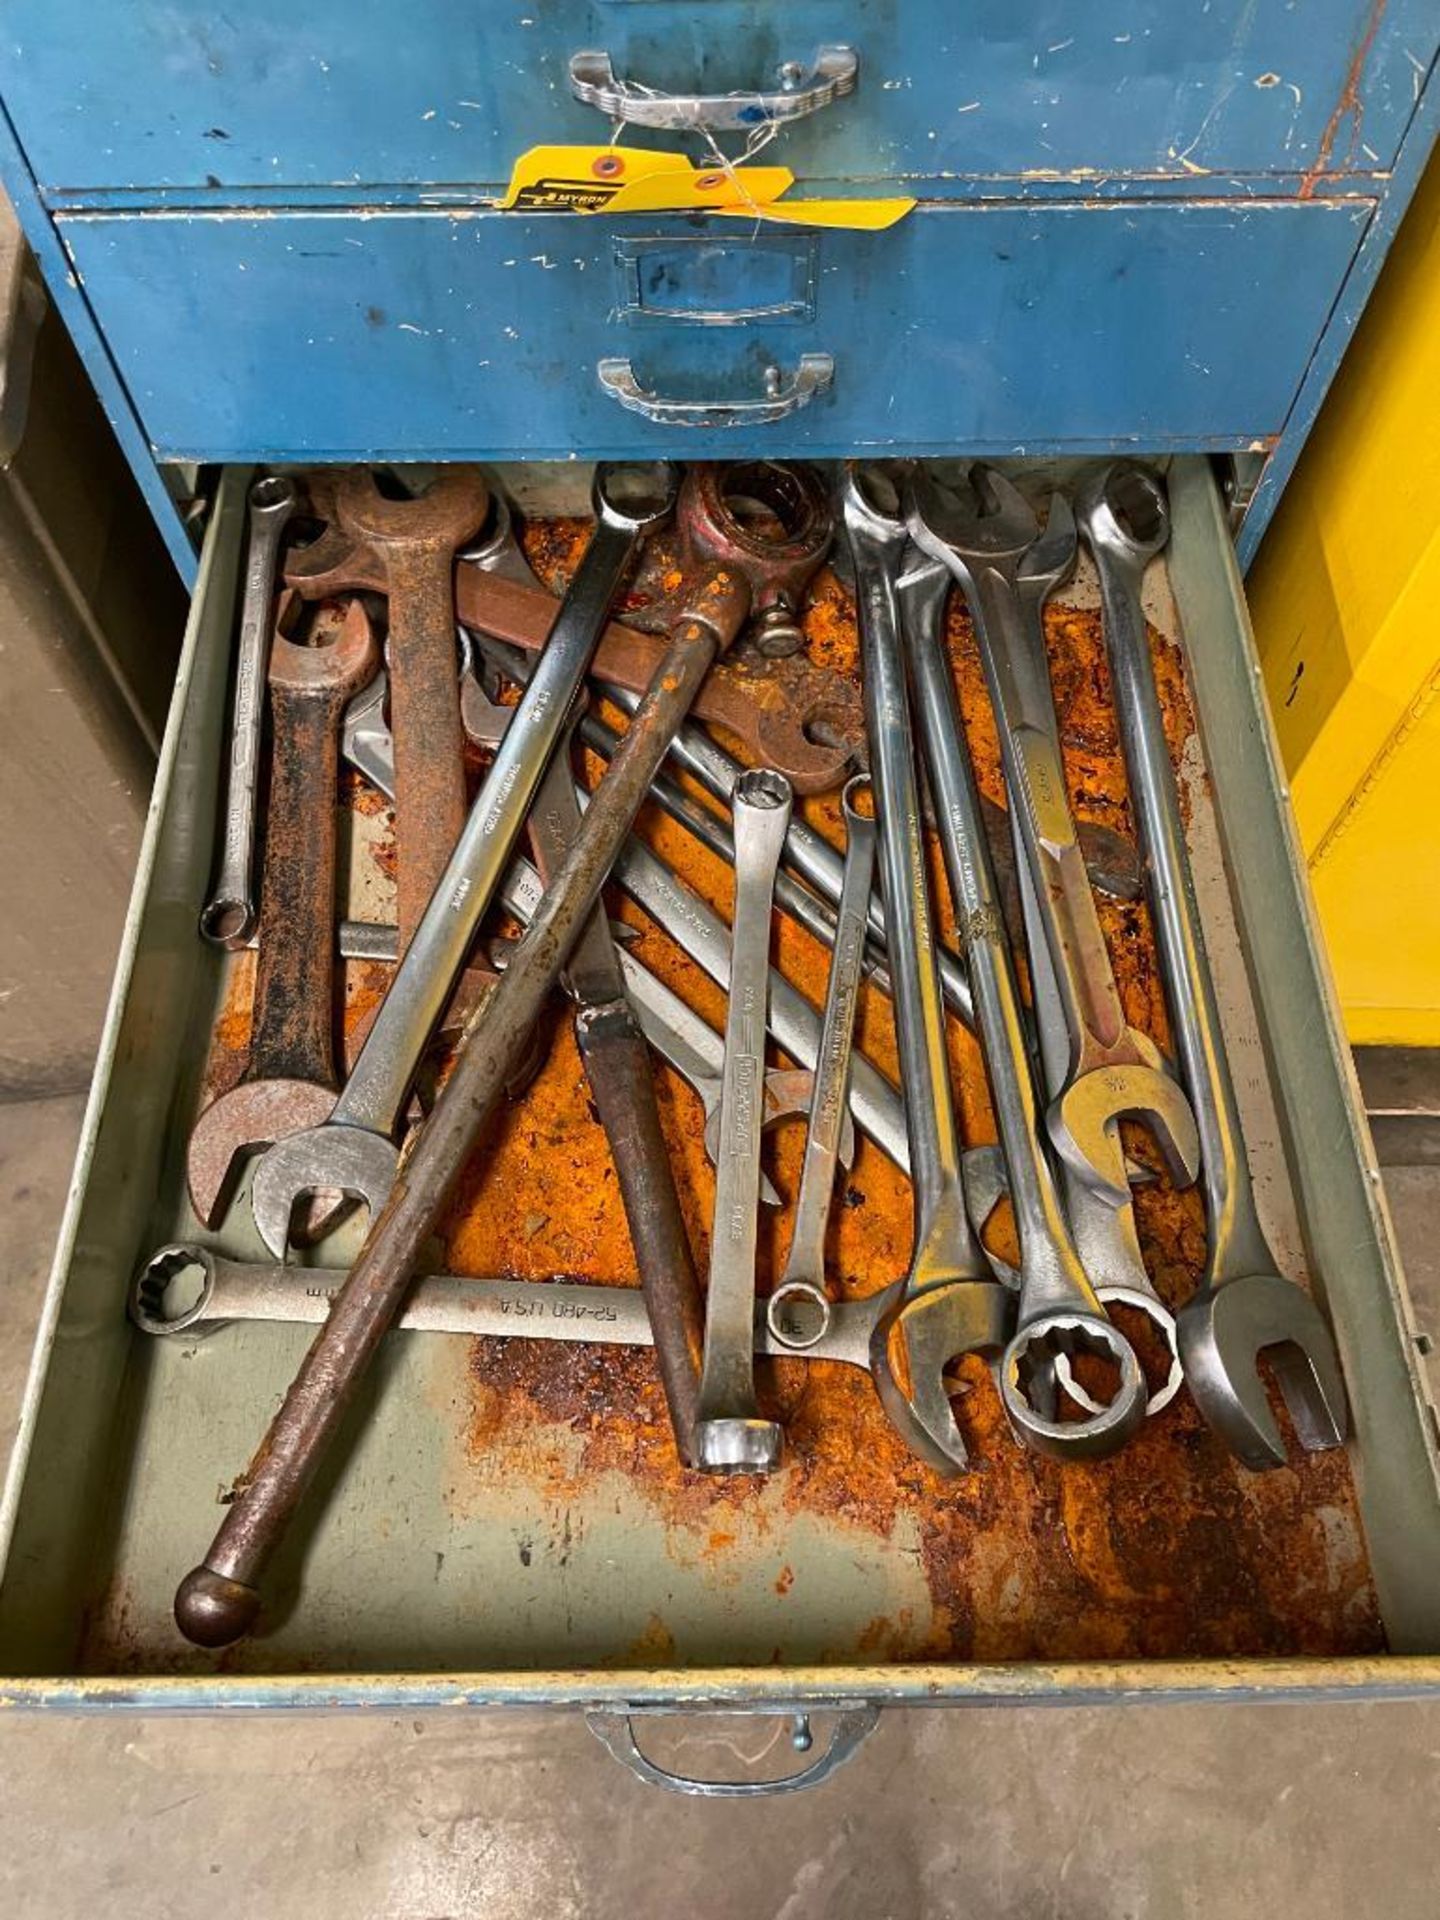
[1120, 1814]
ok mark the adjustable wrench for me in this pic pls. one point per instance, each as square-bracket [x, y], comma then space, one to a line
[988, 540]
[803, 1276]
[189, 1289]
[228, 917]
[946, 1304]
[1244, 1305]
[1058, 1313]
[289, 1081]
[354, 1148]
[412, 544]
[730, 1436]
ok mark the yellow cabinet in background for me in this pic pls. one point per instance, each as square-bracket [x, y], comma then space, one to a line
[1345, 593]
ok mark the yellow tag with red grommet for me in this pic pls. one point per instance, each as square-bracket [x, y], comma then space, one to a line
[636, 180]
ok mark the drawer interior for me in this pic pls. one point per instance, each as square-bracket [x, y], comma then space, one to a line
[509, 1507]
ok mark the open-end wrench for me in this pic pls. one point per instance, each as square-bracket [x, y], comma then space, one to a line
[781, 711]
[228, 916]
[1244, 1305]
[354, 1149]
[946, 1304]
[190, 1289]
[218, 1600]
[730, 1434]
[802, 1278]
[696, 1051]
[411, 543]
[1058, 1313]
[986, 534]
[617, 1065]
[289, 1081]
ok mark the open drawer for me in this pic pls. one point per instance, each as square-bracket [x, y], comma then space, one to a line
[456, 1557]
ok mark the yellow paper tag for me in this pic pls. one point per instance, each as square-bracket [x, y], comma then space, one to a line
[863, 216]
[635, 180]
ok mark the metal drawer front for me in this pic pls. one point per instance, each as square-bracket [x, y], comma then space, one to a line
[180, 96]
[439, 1570]
[448, 336]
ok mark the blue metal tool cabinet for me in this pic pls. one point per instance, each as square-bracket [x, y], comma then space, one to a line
[1141, 226]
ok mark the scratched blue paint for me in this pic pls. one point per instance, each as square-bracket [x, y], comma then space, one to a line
[438, 335]
[178, 93]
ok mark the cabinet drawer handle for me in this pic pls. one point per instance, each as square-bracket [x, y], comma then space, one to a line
[800, 90]
[813, 375]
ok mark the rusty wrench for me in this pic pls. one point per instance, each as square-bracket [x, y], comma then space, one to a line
[1058, 1314]
[228, 917]
[617, 1066]
[289, 1080]
[1244, 1305]
[218, 1600]
[354, 1149]
[730, 1434]
[802, 1279]
[946, 1304]
[413, 543]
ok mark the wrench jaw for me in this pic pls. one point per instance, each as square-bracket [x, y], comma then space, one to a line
[1223, 1331]
[1082, 1124]
[349, 1160]
[1031, 1372]
[250, 1118]
[934, 1327]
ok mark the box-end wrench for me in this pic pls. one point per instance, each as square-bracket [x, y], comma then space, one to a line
[413, 542]
[617, 1065]
[228, 916]
[1244, 1305]
[218, 1600]
[1058, 1314]
[946, 1304]
[354, 1150]
[188, 1289]
[730, 1434]
[289, 1081]
[985, 533]
[802, 1279]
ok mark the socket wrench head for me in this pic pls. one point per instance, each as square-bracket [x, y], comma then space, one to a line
[769, 519]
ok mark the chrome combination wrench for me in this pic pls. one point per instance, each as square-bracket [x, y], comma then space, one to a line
[802, 1279]
[1244, 1306]
[1057, 1315]
[946, 1304]
[229, 915]
[188, 1290]
[730, 1434]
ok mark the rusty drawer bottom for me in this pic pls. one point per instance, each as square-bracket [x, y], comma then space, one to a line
[512, 1517]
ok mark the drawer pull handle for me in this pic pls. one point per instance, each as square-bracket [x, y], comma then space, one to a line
[813, 375]
[800, 90]
[616, 1732]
